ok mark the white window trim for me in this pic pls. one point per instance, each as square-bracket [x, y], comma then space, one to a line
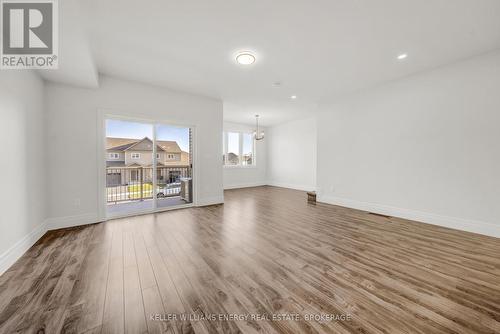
[114, 155]
[240, 142]
[170, 156]
[138, 156]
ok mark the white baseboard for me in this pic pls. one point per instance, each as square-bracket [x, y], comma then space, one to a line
[71, 221]
[210, 200]
[245, 185]
[303, 187]
[11, 255]
[468, 225]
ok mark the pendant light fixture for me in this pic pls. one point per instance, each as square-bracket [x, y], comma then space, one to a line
[257, 134]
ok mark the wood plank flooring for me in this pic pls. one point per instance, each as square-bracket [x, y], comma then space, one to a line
[264, 253]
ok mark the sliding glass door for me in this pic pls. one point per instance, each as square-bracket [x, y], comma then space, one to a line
[148, 167]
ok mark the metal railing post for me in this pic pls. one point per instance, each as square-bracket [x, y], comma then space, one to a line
[141, 178]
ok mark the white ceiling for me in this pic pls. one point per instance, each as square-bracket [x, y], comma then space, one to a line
[318, 50]
[76, 63]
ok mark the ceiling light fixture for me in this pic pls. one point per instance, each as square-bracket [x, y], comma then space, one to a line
[257, 134]
[402, 56]
[245, 58]
[293, 97]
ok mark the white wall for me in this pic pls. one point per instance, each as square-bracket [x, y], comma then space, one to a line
[73, 133]
[426, 147]
[292, 154]
[241, 177]
[22, 163]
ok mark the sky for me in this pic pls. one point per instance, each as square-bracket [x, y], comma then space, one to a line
[136, 130]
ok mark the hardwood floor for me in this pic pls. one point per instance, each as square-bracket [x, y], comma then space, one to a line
[264, 252]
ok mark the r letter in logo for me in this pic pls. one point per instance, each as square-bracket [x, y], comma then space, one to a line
[29, 34]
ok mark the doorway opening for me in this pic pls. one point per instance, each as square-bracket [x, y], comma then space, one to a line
[149, 167]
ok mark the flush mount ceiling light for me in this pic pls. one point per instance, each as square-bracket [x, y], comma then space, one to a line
[402, 56]
[293, 97]
[245, 58]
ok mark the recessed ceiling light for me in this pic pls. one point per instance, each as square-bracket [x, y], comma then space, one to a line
[245, 58]
[402, 56]
[293, 97]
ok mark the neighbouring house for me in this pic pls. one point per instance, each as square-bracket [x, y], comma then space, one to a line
[247, 159]
[130, 161]
[234, 159]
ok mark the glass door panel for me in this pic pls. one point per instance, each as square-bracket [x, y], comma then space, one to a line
[174, 178]
[129, 167]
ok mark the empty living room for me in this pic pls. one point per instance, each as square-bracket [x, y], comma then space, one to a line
[250, 166]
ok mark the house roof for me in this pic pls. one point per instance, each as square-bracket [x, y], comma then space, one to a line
[169, 146]
[232, 157]
[118, 143]
[145, 144]
[122, 144]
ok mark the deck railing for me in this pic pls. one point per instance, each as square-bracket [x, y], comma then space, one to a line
[136, 183]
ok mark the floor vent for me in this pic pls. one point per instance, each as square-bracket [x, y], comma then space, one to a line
[379, 214]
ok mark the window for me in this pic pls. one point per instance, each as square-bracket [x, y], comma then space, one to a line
[247, 149]
[171, 156]
[135, 155]
[113, 155]
[239, 149]
[157, 156]
[233, 149]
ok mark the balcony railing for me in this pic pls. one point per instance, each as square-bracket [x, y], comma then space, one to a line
[136, 183]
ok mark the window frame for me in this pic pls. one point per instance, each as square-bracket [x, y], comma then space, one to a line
[113, 156]
[135, 153]
[240, 142]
